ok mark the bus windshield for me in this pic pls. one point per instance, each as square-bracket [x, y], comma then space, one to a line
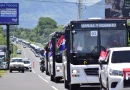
[85, 41]
[2, 56]
[113, 38]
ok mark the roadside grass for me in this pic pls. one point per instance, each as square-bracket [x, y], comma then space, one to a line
[2, 72]
[14, 54]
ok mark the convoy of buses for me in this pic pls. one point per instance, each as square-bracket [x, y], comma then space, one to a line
[83, 41]
[73, 54]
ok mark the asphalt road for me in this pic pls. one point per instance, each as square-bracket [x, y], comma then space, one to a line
[34, 80]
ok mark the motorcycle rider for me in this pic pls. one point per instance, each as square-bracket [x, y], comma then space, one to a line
[42, 65]
[42, 62]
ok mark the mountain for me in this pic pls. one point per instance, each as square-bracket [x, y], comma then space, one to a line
[62, 13]
[96, 10]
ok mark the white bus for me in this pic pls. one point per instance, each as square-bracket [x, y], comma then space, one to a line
[84, 42]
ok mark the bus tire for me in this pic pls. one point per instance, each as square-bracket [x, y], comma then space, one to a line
[74, 86]
[52, 78]
[66, 84]
[47, 73]
[57, 79]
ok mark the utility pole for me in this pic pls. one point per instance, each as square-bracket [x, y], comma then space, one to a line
[80, 8]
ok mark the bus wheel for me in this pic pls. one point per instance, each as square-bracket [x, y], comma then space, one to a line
[66, 84]
[52, 78]
[57, 79]
[74, 86]
[47, 73]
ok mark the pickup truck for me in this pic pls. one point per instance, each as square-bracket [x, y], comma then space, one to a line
[16, 64]
[114, 70]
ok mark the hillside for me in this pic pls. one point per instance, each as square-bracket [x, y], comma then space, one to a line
[62, 13]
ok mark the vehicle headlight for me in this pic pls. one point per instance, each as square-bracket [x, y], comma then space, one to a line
[74, 71]
[58, 68]
[115, 72]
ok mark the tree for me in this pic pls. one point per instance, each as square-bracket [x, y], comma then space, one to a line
[48, 31]
[45, 22]
[45, 26]
[32, 36]
[1, 29]
[13, 27]
[59, 28]
[2, 38]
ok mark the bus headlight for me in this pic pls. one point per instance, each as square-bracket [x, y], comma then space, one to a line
[74, 71]
[58, 68]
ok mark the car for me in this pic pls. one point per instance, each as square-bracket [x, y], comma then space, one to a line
[27, 64]
[114, 70]
[18, 51]
[41, 57]
[24, 46]
[16, 64]
[4, 65]
[37, 55]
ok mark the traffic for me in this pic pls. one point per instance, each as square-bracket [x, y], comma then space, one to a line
[39, 51]
[87, 53]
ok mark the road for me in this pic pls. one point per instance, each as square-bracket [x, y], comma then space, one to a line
[34, 80]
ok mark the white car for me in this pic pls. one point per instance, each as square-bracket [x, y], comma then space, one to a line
[114, 71]
[16, 64]
[18, 51]
[27, 64]
[37, 55]
[24, 46]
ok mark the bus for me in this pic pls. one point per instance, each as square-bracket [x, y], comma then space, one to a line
[48, 58]
[56, 64]
[85, 39]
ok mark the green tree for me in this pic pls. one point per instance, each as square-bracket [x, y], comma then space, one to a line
[48, 31]
[1, 29]
[39, 34]
[59, 28]
[13, 27]
[2, 38]
[45, 22]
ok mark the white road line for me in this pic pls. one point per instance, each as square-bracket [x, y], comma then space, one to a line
[43, 78]
[54, 88]
[33, 71]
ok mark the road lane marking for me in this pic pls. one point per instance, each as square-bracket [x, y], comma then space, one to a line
[43, 78]
[54, 88]
[33, 71]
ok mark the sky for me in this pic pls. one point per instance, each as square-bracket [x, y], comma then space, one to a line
[62, 13]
